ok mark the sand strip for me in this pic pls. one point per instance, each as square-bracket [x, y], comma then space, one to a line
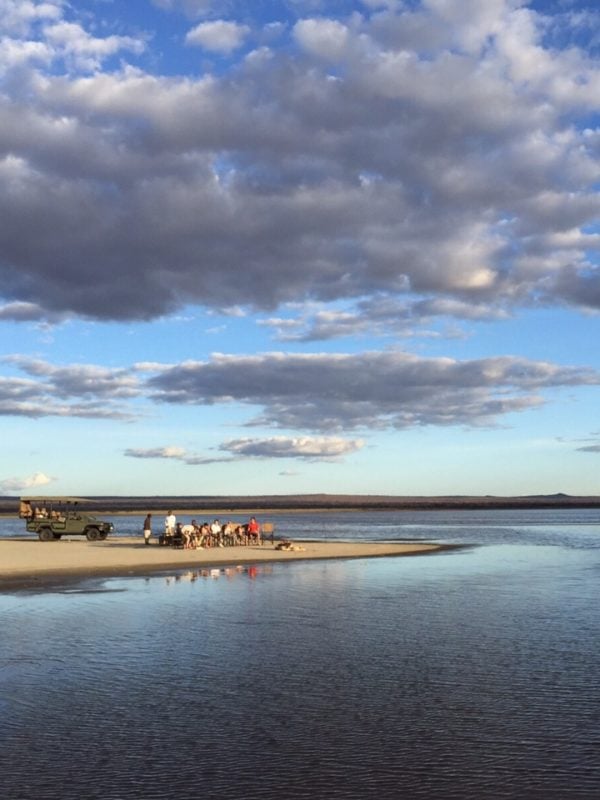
[28, 562]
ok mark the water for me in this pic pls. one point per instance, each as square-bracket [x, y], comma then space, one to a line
[468, 674]
[534, 526]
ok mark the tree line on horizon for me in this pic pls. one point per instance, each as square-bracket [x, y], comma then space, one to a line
[141, 503]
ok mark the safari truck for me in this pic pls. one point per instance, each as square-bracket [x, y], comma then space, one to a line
[53, 517]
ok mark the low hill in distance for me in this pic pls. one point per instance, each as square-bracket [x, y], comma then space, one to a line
[318, 502]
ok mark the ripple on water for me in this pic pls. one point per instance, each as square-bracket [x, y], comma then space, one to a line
[474, 676]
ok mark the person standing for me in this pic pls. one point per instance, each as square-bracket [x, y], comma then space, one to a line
[170, 524]
[148, 528]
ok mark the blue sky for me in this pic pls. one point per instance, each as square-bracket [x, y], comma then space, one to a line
[299, 246]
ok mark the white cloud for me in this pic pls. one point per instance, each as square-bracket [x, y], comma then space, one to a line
[443, 152]
[326, 38]
[78, 390]
[80, 380]
[9, 485]
[38, 35]
[378, 4]
[171, 451]
[338, 392]
[380, 315]
[305, 447]
[326, 393]
[18, 16]
[193, 8]
[14, 53]
[71, 41]
[218, 36]
[471, 22]
[25, 312]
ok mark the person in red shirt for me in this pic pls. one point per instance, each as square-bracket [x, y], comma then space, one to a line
[253, 530]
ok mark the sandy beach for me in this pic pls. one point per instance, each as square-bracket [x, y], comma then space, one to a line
[29, 563]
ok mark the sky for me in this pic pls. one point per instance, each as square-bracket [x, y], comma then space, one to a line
[299, 246]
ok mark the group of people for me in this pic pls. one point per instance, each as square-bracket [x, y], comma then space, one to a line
[194, 535]
[26, 511]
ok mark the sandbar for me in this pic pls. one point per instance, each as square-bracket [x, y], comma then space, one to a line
[27, 563]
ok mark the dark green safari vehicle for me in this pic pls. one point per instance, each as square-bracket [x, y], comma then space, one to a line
[53, 517]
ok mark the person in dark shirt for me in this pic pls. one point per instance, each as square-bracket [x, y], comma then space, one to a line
[148, 528]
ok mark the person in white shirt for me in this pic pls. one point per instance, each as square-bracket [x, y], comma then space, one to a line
[216, 530]
[170, 523]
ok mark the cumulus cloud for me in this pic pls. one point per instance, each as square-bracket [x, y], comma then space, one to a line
[9, 485]
[156, 452]
[70, 41]
[311, 448]
[327, 392]
[29, 312]
[379, 315]
[78, 390]
[13, 54]
[80, 380]
[320, 392]
[174, 453]
[326, 38]
[219, 36]
[193, 8]
[325, 448]
[37, 33]
[443, 149]
[324, 393]
[17, 17]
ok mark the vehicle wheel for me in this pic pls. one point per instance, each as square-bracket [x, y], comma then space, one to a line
[45, 535]
[92, 534]
[102, 535]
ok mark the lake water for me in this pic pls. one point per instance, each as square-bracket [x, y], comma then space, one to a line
[473, 673]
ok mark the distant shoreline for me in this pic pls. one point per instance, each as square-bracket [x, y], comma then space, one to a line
[270, 504]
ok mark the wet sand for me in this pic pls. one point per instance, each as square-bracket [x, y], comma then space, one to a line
[28, 562]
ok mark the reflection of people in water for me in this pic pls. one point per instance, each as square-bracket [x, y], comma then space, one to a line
[215, 572]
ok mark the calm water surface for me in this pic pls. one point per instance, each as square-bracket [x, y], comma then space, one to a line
[470, 674]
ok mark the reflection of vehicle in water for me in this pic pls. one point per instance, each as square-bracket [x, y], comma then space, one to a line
[53, 517]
